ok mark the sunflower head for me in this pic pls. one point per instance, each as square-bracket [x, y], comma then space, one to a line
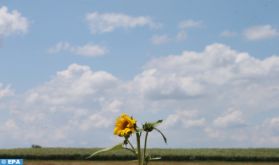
[125, 125]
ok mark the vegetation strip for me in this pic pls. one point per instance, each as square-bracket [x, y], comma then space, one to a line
[166, 154]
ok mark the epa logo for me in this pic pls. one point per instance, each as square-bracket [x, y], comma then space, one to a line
[11, 162]
[14, 161]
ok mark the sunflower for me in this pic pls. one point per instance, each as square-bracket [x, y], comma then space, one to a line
[124, 125]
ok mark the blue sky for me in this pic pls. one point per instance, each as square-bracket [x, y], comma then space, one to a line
[209, 68]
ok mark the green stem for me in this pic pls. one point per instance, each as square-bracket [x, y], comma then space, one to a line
[145, 144]
[139, 149]
[131, 145]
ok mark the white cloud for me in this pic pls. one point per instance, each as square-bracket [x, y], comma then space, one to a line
[266, 133]
[155, 85]
[185, 118]
[108, 22]
[95, 121]
[221, 78]
[228, 34]
[261, 134]
[184, 26]
[113, 106]
[160, 39]
[61, 46]
[75, 104]
[76, 94]
[190, 24]
[192, 91]
[260, 32]
[274, 122]
[5, 91]
[231, 118]
[164, 39]
[181, 34]
[89, 49]
[217, 64]
[10, 124]
[12, 22]
[74, 84]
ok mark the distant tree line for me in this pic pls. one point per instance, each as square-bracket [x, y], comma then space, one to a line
[36, 146]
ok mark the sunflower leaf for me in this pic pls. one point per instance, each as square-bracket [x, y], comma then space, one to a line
[164, 137]
[157, 123]
[116, 147]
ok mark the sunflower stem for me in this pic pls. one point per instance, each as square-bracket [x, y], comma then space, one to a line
[144, 150]
[139, 149]
[133, 148]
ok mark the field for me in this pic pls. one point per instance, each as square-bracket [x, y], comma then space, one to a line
[178, 155]
[130, 163]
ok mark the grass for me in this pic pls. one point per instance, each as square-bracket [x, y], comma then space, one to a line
[166, 154]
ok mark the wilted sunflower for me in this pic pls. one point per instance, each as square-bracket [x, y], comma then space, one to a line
[124, 126]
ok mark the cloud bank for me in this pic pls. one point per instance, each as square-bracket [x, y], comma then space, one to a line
[213, 98]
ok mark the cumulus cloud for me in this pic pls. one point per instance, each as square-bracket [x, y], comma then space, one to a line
[12, 22]
[214, 98]
[160, 39]
[217, 64]
[10, 124]
[260, 32]
[218, 78]
[155, 85]
[264, 133]
[89, 49]
[95, 121]
[184, 26]
[73, 85]
[181, 35]
[164, 39]
[190, 24]
[113, 106]
[184, 118]
[273, 123]
[75, 104]
[230, 119]
[108, 22]
[5, 91]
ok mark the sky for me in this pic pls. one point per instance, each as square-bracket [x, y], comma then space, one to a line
[208, 68]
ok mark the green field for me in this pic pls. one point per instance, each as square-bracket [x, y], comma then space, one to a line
[134, 163]
[263, 155]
